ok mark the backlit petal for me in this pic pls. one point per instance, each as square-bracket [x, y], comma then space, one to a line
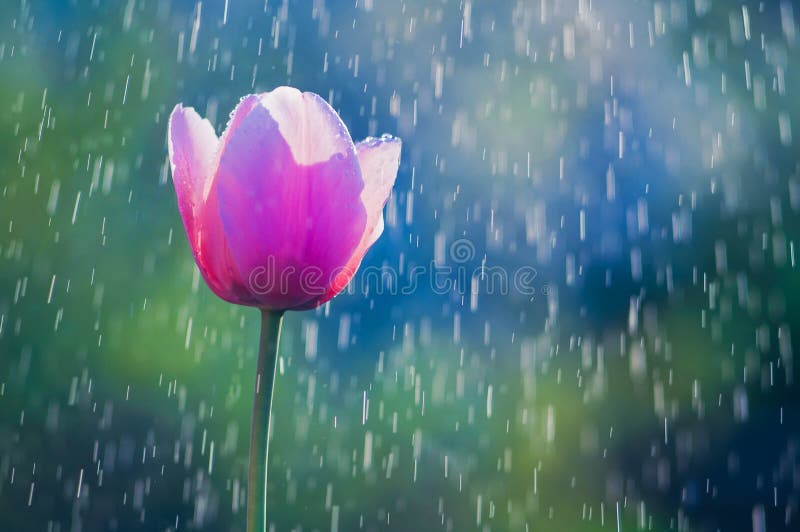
[379, 159]
[311, 128]
[192, 146]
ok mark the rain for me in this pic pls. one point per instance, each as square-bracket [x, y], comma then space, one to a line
[580, 314]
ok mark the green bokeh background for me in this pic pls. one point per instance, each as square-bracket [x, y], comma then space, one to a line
[599, 399]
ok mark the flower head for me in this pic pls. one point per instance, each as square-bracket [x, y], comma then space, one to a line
[279, 210]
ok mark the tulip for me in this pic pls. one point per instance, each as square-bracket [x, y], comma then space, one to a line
[279, 212]
[280, 209]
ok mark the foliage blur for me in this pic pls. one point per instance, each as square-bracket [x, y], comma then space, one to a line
[639, 155]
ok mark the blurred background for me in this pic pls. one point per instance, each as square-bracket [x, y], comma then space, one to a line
[638, 159]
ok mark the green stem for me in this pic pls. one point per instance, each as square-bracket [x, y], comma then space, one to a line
[259, 431]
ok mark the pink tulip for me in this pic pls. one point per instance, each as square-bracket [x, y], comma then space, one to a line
[280, 209]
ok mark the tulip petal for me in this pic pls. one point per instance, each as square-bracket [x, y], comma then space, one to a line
[379, 159]
[192, 144]
[311, 128]
[288, 188]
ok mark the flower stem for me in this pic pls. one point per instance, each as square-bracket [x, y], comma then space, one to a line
[259, 431]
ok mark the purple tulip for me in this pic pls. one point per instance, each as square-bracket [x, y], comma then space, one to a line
[280, 209]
